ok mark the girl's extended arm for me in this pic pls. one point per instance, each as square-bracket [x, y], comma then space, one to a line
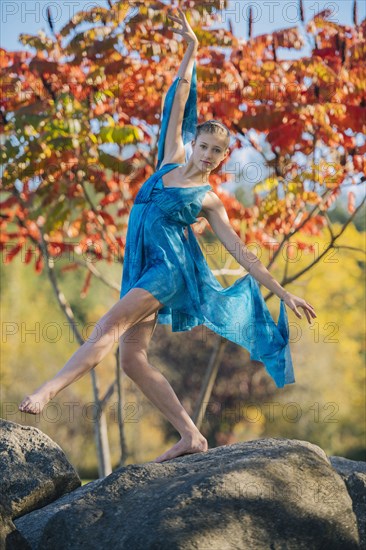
[215, 212]
[174, 148]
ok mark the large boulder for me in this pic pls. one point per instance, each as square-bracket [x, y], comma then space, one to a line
[34, 471]
[10, 538]
[353, 473]
[32, 525]
[266, 493]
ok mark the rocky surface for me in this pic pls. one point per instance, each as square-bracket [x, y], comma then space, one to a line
[34, 470]
[267, 493]
[354, 475]
[10, 537]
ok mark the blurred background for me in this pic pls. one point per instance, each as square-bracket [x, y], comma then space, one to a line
[268, 186]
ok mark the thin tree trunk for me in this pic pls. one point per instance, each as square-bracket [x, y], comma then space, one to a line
[100, 431]
[209, 380]
[100, 425]
[122, 438]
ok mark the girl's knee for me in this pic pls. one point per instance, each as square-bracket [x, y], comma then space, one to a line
[130, 363]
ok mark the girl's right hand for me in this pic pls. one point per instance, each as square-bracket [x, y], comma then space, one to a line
[186, 30]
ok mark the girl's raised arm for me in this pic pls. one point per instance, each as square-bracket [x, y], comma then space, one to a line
[173, 147]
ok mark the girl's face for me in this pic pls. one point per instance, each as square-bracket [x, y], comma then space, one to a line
[209, 150]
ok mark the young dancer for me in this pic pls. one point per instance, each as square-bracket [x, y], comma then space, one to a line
[166, 278]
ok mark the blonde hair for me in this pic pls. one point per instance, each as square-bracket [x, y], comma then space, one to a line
[213, 127]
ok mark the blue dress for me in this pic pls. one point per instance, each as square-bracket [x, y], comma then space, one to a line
[160, 259]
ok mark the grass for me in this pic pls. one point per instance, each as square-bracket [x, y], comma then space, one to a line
[85, 481]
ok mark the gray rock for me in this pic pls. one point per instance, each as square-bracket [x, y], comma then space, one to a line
[345, 467]
[10, 538]
[34, 469]
[353, 472]
[267, 493]
[34, 523]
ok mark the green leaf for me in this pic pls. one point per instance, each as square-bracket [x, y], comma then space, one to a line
[115, 164]
[56, 217]
[120, 134]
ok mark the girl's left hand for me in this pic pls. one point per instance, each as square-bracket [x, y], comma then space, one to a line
[295, 301]
[186, 31]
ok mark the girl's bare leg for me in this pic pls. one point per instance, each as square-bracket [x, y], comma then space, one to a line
[134, 362]
[129, 310]
[125, 320]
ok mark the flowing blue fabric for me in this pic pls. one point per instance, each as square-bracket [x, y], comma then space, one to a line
[160, 259]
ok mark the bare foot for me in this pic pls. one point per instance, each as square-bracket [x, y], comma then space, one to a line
[34, 403]
[187, 445]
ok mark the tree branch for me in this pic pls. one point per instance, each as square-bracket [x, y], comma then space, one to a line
[329, 247]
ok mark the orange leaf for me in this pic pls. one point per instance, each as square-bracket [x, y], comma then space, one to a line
[351, 202]
[86, 285]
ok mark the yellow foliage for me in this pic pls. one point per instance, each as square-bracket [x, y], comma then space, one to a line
[329, 356]
[324, 406]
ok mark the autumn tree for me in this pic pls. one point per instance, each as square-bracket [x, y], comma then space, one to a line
[80, 121]
[64, 194]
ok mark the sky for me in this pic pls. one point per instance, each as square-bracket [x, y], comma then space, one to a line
[29, 16]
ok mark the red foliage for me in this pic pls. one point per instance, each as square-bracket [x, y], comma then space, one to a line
[49, 105]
